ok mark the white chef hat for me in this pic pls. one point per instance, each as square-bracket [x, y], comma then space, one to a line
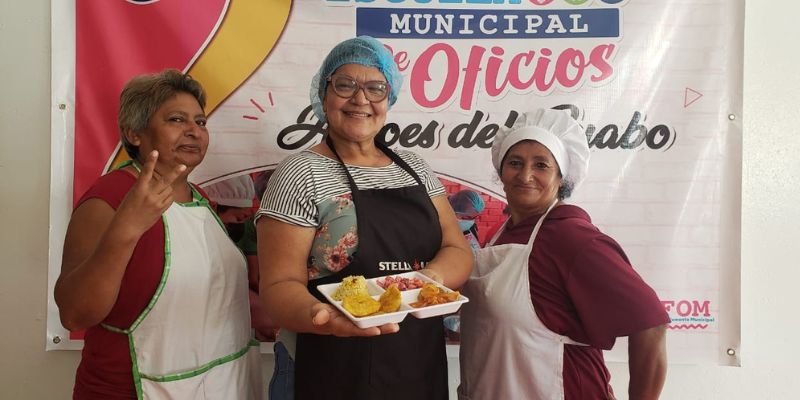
[234, 192]
[556, 130]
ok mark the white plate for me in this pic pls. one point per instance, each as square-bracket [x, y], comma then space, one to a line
[369, 321]
[408, 296]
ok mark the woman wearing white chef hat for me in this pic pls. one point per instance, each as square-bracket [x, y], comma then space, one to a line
[234, 198]
[238, 191]
[550, 291]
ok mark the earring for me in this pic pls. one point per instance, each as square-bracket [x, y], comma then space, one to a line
[133, 138]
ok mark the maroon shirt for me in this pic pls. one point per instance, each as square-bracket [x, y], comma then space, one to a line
[583, 286]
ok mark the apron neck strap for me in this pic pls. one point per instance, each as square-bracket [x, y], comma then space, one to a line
[383, 148]
[132, 163]
[535, 228]
[540, 221]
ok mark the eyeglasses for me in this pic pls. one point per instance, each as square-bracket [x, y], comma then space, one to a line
[346, 88]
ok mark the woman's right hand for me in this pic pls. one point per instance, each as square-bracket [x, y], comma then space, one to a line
[149, 197]
[284, 279]
[328, 320]
[99, 244]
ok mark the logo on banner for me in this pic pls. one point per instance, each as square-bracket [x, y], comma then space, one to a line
[689, 314]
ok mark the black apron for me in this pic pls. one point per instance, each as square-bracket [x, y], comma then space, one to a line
[394, 225]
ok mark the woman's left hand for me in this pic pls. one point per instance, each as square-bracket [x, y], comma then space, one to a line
[432, 274]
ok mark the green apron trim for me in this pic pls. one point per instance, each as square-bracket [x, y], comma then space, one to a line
[159, 289]
[161, 283]
[202, 369]
[137, 379]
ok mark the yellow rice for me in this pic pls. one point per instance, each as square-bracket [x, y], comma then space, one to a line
[351, 286]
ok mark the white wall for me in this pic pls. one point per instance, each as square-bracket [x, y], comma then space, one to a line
[770, 215]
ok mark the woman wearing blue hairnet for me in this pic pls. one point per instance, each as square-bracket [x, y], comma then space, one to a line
[348, 206]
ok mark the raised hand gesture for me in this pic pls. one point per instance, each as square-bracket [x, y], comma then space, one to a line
[99, 244]
[149, 197]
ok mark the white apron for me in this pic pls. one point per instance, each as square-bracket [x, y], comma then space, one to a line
[507, 353]
[193, 341]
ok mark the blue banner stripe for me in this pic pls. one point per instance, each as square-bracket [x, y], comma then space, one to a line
[421, 23]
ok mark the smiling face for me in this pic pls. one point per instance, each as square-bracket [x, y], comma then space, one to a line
[178, 131]
[355, 119]
[531, 179]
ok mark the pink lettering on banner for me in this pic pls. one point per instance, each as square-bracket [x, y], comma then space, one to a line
[471, 76]
[420, 75]
[400, 58]
[567, 70]
[493, 89]
[685, 307]
[688, 314]
[598, 58]
[519, 61]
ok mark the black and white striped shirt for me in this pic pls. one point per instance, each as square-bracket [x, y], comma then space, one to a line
[303, 181]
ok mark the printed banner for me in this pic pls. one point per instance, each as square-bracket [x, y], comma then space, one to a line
[656, 85]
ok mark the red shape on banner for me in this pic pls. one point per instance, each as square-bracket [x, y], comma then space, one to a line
[116, 40]
[690, 96]
[260, 107]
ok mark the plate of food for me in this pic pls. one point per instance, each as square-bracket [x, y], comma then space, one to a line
[364, 302]
[389, 299]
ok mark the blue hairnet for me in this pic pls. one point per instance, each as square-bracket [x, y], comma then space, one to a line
[467, 202]
[363, 50]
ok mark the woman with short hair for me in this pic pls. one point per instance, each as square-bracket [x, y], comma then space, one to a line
[148, 269]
